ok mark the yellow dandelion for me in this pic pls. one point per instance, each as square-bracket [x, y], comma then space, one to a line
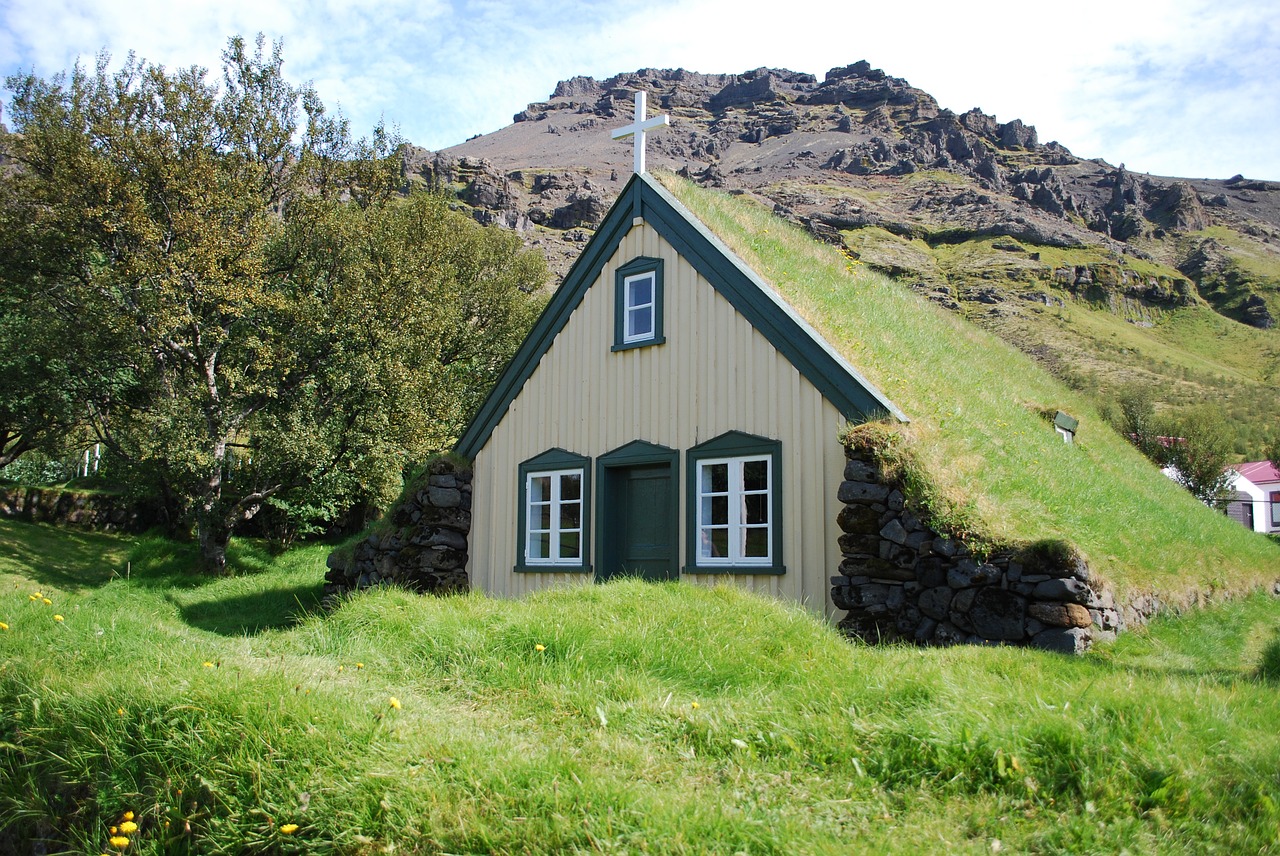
[341, 668]
[114, 830]
[47, 602]
[32, 597]
[128, 826]
[359, 665]
[57, 618]
[3, 626]
[208, 665]
[694, 705]
[119, 711]
[288, 828]
[539, 647]
[119, 842]
[394, 702]
[37, 595]
[128, 815]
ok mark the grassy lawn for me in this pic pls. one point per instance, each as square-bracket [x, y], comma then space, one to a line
[619, 718]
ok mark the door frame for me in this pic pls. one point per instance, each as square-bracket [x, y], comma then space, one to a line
[608, 469]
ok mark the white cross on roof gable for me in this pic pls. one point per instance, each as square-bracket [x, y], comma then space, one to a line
[638, 129]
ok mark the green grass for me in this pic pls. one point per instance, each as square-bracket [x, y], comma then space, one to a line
[655, 718]
[975, 405]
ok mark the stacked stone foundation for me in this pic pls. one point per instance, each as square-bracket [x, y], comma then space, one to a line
[902, 579]
[425, 547]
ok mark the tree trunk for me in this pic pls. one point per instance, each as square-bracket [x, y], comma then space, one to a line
[214, 535]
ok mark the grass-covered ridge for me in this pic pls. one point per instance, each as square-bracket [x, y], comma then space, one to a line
[620, 718]
[976, 406]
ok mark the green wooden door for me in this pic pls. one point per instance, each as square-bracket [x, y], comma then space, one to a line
[642, 539]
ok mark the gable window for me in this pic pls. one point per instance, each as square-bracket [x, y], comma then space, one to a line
[554, 503]
[1275, 509]
[734, 497]
[638, 304]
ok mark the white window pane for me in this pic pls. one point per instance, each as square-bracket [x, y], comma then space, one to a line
[571, 515]
[714, 543]
[570, 487]
[756, 544]
[539, 545]
[641, 291]
[540, 489]
[540, 517]
[757, 508]
[570, 545]
[640, 322]
[755, 475]
[715, 478]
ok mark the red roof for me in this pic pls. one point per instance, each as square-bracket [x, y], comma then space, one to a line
[1258, 472]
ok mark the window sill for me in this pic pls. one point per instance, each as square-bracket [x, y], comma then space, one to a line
[552, 569]
[774, 570]
[643, 343]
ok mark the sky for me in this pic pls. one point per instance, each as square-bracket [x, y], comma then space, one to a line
[1186, 88]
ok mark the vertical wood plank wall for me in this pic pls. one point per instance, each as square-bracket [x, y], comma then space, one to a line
[714, 373]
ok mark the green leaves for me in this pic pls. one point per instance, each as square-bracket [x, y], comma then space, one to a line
[247, 308]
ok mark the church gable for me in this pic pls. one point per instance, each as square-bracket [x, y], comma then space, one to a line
[641, 297]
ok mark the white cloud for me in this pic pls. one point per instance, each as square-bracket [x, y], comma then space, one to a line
[1177, 87]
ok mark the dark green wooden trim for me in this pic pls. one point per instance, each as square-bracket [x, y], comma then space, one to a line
[640, 264]
[554, 316]
[838, 381]
[636, 453]
[732, 444]
[553, 459]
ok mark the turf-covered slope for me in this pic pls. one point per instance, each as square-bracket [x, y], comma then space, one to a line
[976, 406]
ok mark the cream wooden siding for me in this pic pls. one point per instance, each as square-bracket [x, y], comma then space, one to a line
[714, 373]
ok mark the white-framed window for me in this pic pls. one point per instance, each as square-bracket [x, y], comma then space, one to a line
[1275, 509]
[553, 517]
[639, 305]
[735, 511]
[637, 317]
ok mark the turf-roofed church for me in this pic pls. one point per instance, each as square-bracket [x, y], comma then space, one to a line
[669, 416]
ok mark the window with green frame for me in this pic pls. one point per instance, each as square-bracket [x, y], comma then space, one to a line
[553, 520]
[734, 498]
[638, 309]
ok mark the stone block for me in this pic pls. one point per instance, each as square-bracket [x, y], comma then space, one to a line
[858, 542]
[858, 519]
[860, 471]
[931, 572]
[894, 531]
[1063, 640]
[444, 497]
[945, 547]
[896, 501]
[963, 599]
[868, 596]
[926, 630]
[968, 573]
[851, 491]
[947, 633]
[998, 614]
[1060, 614]
[918, 542]
[443, 480]
[1063, 590]
[935, 602]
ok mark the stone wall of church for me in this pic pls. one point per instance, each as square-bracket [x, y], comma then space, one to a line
[424, 546]
[902, 579]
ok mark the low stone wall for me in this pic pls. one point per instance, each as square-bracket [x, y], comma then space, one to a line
[901, 579]
[100, 511]
[425, 548]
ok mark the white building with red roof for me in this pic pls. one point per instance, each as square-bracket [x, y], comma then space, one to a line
[1256, 499]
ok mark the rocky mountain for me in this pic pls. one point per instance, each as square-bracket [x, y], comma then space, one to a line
[977, 214]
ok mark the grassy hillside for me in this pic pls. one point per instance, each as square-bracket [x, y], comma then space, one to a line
[608, 719]
[976, 405]
[1098, 340]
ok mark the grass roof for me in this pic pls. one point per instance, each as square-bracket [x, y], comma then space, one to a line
[978, 428]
